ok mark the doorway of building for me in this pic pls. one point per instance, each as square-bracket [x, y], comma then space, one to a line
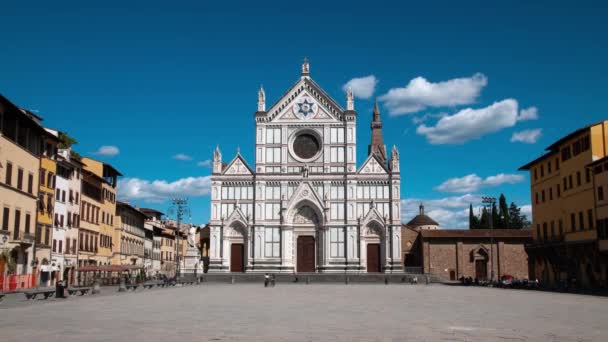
[236, 257]
[306, 254]
[452, 275]
[373, 258]
[481, 269]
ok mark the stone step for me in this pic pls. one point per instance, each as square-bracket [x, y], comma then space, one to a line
[317, 278]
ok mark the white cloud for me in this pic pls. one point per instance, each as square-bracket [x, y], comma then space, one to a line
[206, 163]
[449, 212]
[530, 113]
[181, 156]
[363, 87]
[107, 150]
[162, 190]
[527, 210]
[473, 182]
[471, 123]
[420, 94]
[528, 136]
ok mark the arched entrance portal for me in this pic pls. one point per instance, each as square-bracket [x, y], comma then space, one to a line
[372, 235]
[236, 235]
[480, 257]
[306, 223]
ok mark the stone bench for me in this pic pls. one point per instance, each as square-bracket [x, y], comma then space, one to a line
[131, 286]
[32, 294]
[83, 290]
[151, 284]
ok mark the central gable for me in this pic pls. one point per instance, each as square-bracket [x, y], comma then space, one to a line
[305, 102]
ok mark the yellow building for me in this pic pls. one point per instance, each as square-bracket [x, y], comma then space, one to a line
[564, 209]
[21, 137]
[99, 203]
[46, 205]
[131, 235]
[167, 252]
[600, 183]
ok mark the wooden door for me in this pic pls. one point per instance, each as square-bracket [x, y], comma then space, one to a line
[481, 269]
[373, 258]
[236, 257]
[306, 254]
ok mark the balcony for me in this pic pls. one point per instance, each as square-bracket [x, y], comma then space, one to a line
[23, 238]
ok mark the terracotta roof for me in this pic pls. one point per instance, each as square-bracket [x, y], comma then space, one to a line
[476, 233]
[422, 220]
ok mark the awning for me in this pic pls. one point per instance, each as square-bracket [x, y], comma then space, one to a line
[109, 268]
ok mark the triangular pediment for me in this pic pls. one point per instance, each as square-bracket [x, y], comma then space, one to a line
[372, 222]
[305, 191]
[372, 166]
[238, 166]
[305, 101]
[237, 215]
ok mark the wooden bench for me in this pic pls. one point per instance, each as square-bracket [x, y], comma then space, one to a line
[31, 294]
[83, 290]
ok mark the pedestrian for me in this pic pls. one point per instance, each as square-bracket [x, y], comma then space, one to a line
[266, 279]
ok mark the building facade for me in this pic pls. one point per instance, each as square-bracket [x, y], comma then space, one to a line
[305, 206]
[46, 209]
[99, 204]
[64, 250]
[130, 236]
[564, 209]
[476, 253]
[154, 225]
[21, 139]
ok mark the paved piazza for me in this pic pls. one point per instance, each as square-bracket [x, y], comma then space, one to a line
[223, 312]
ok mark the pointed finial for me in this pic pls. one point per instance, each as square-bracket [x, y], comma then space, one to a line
[376, 111]
[238, 149]
[261, 99]
[350, 99]
[305, 68]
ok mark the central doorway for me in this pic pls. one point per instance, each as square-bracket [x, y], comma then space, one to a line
[306, 254]
[373, 258]
[236, 257]
[481, 269]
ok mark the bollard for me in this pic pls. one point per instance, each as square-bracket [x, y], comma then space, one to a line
[232, 279]
[307, 280]
[427, 279]
[385, 280]
[122, 287]
[346, 280]
[96, 288]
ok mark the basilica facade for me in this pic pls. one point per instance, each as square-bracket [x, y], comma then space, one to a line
[305, 205]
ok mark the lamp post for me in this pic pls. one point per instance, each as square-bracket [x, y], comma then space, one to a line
[179, 207]
[490, 201]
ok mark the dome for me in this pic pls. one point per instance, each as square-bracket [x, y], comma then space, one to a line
[423, 220]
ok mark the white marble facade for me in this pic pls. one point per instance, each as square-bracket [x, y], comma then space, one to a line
[305, 193]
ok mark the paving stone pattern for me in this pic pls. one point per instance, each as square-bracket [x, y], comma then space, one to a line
[316, 312]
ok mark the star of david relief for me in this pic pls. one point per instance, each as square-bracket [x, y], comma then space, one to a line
[305, 108]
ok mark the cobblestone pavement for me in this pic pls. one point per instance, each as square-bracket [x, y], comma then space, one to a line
[332, 312]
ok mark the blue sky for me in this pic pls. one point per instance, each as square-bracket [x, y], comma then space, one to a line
[151, 80]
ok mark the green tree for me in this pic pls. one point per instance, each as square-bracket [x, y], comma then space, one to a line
[484, 220]
[517, 219]
[473, 219]
[503, 213]
[66, 141]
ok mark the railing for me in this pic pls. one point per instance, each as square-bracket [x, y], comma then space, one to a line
[17, 282]
[414, 270]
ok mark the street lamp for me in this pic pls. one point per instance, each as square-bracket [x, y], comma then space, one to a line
[490, 201]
